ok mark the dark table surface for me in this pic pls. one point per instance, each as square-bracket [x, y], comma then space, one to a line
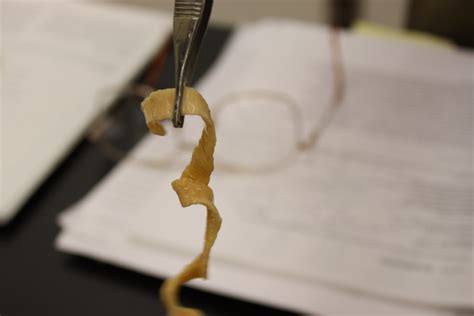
[36, 279]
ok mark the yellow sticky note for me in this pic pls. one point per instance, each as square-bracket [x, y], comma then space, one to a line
[377, 30]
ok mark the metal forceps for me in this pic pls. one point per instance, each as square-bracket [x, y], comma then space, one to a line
[189, 26]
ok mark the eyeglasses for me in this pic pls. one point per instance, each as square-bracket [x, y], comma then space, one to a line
[255, 152]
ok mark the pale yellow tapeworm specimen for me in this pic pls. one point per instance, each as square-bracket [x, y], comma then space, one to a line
[192, 187]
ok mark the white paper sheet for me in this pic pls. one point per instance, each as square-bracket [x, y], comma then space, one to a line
[374, 220]
[57, 64]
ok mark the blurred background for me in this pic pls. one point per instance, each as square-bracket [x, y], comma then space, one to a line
[450, 19]
[80, 230]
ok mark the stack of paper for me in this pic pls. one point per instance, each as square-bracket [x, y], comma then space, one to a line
[376, 219]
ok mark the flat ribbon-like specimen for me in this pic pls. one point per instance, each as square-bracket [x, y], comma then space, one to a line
[192, 187]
